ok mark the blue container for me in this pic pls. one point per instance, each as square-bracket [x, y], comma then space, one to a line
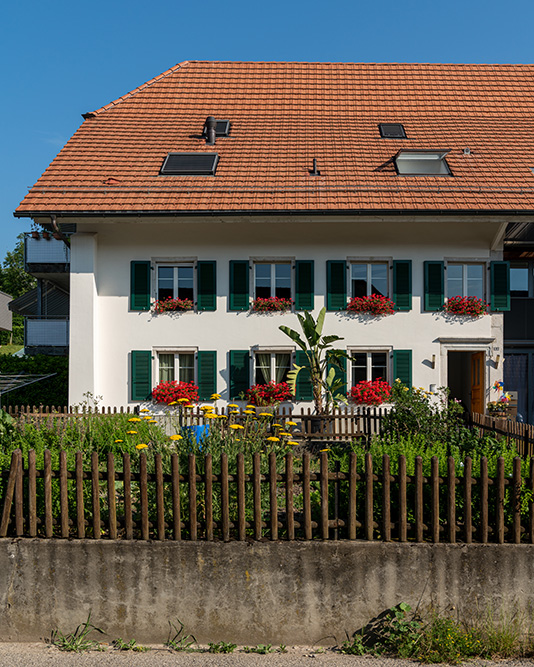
[199, 432]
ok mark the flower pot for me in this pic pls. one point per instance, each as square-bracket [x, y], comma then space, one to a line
[46, 236]
[36, 236]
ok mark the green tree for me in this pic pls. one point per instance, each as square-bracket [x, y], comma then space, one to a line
[15, 282]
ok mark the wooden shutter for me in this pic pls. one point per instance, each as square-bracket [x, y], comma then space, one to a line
[336, 285]
[140, 285]
[304, 285]
[141, 375]
[239, 372]
[402, 366]
[303, 390]
[239, 285]
[341, 374]
[402, 284]
[207, 374]
[434, 285]
[207, 286]
[500, 286]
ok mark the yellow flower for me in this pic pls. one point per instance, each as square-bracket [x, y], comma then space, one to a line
[215, 397]
[206, 407]
[292, 442]
[153, 421]
[273, 438]
[182, 400]
[233, 405]
[279, 425]
[283, 433]
[222, 416]
[210, 415]
[250, 406]
[236, 426]
[131, 432]
[173, 402]
[238, 439]
[119, 440]
[291, 423]
[234, 412]
[146, 417]
[324, 450]
[144, 410]
[141, 445]
[265, 414]
[250, 412]
[189, 406]
[134, 419]
[176, 437]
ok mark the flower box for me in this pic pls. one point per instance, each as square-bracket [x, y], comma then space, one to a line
[375, 304]
[370, 392]
[174, 392]
[272, 304]
[272, 393]
[170, 305]
[471, 306]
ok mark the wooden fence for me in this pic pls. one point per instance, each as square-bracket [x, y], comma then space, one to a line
[521, 435]
[262, 497]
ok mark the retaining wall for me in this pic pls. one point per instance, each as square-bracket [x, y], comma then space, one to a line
[248, 593]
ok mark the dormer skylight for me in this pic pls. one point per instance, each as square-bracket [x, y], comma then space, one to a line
[422, 163]
[392, 130]
[190, 164]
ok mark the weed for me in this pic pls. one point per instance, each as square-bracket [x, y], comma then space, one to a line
[282, 648]
[179, 641]
[354, 647]
[260, 648]
[132, 645]
[221, 647]
[77, 641]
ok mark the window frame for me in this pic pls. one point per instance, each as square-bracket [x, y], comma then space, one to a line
[175, 263]
[369, 350]
[466, 262]
[255, 261]
[530, 275]
[387, 261]
[176, 351]
[273, 350]
[429, 151]
[386, 136]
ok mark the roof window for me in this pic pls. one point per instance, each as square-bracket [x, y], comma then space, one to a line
[422, 163]
[190, 164]
[392, 130]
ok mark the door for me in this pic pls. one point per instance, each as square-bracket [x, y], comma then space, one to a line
[477, 382]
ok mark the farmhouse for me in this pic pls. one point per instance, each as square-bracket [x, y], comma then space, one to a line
[220, 185]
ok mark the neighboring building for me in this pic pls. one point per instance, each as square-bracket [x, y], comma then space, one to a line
[6, 320]
[324, 181]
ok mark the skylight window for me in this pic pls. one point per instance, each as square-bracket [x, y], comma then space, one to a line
[422, 163]
[190, 164]
[392, 130]
[222, 128]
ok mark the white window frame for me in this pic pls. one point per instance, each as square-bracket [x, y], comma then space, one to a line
[272, 261]
[368, 261]
[466, 262]
[272, 350]
[175, 263]
[369, 350]
[176, 351]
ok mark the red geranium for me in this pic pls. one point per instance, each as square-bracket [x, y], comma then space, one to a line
[375, 304]
[466, 305]
[172, 305]
[172, 391]
[271, 304]
[269, 394]
[372, 392]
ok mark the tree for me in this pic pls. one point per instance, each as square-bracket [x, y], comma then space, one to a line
[15, 282]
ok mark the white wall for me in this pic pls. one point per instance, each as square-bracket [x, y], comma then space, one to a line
[104, 331]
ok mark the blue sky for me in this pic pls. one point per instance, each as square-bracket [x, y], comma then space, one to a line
[61, 59]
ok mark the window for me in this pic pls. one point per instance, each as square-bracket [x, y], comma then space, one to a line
[520, 273]
[465, 280]
[176, 282]
[190, 164]
[272, 280]
[178, 366]
[271, 366]
[422, 163]
[392, 130]
[369, 366]
[367, 279]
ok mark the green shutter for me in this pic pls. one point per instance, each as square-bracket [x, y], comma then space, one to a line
[207, 374]
[341, 374]
[304, 285]
[239, 372]
[402, 366]
[500, 285]
[207, 286]
[402, 284]
[304, 391]
[434, 285]
[141, 367]
[336, 285]
[239, 285]
[140, 285]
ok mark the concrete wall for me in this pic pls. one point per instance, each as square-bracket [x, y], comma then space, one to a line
[291, 593]
[104, 330]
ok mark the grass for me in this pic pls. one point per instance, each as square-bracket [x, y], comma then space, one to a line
[77, 641]
[10, 349]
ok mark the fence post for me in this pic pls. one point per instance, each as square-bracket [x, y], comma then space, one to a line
[256, 494]
[468, 509]
[386, 498]
[500, 500]
[324, 495]
[353, 463]
[434, 483]
[290, 517]
[451, 499]
[192, 474]
[32, 493]
[403, 509]
[16, 462]
[516, 500]
[241, 533]
[418, 499]
[368, 497]
[176, 515]
[208, 495]
[95, 489]
[49, 529]
[306, 496]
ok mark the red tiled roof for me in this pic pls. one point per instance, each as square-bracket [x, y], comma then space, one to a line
[285, 114]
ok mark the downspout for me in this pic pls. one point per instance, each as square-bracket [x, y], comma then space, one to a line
[57, 231]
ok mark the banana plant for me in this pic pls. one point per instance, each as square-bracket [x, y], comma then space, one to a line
[322, 361]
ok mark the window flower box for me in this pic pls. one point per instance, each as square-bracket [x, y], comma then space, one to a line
[270, 394]
[375, 304]
[272, 304]
[470, 306]
[170, 305]
[370, 392]
[174, 392]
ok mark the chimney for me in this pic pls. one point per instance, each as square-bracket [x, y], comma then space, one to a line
[211, 124]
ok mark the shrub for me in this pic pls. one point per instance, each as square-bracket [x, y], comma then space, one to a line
[174, 391]
[372, 392]
[375, 304]
[52, 391]
[269, 394]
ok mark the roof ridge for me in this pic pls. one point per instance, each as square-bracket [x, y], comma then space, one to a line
[120, 99]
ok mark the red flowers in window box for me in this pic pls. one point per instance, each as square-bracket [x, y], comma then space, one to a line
[170, 305]
[269, 394]
[466, 305]
[375, 304]
[370, 392]
[176, 392]
[272, 304]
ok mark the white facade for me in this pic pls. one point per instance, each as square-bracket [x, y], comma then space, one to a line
[104, 330]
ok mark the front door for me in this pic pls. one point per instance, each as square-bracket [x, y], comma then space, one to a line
[477, 382]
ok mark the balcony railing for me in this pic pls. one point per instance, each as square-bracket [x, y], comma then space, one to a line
[46, 333]
[43, 251]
